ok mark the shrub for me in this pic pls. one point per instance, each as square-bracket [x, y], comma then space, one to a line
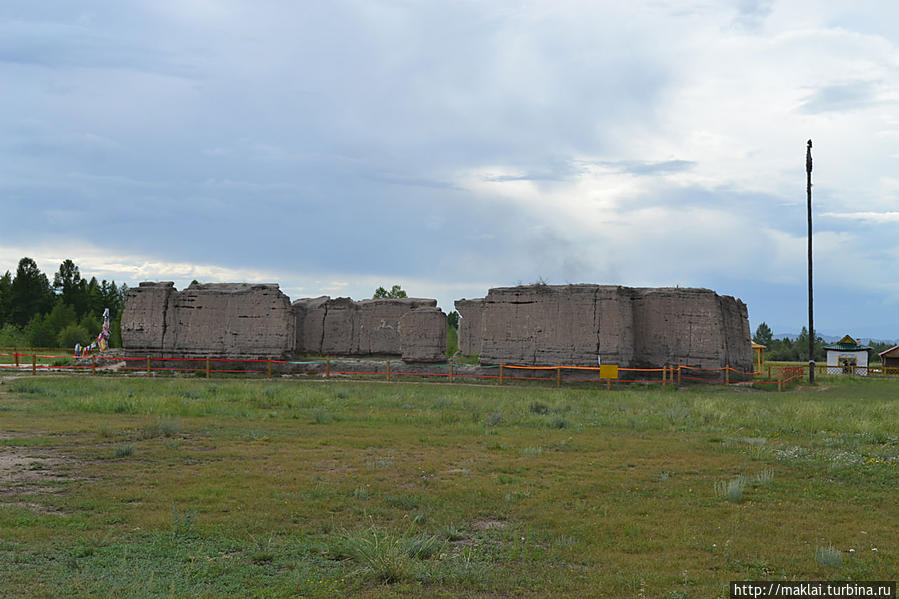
[539, 408]
[731, 490]
[124, 451]
[72, 334]
[829, 556]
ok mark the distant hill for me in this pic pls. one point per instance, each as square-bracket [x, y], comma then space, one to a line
[835, 338]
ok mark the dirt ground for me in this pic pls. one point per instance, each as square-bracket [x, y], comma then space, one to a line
[28, 472]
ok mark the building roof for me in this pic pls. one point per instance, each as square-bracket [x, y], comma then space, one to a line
[890, 353]
[847, 343]
[760, 346]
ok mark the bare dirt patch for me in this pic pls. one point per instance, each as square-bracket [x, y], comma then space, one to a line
[23, 473]
[488, 524]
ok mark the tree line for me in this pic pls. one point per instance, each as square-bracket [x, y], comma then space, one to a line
[37, 313]
[796, 350]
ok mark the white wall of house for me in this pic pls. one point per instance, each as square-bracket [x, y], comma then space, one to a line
[834, 366]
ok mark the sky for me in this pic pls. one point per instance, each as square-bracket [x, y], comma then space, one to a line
[450, 147]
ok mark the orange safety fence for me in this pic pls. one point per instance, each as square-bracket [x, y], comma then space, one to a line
[204, 365]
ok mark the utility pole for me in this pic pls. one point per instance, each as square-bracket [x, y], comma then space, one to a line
[811, 319]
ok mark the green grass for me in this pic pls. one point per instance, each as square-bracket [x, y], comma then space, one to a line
[256, 488]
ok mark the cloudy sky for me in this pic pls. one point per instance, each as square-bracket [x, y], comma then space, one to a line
[455, 146]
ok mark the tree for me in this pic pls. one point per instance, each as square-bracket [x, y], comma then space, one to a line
[395, 292]
[452, 320]
[39, 334]
[72, 334]
[5, 299]
[763, 335]
[68, 283]
[30, 293]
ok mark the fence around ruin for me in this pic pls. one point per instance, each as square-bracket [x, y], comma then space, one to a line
[47, 360]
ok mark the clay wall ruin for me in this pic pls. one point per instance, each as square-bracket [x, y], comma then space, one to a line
[239, 320]
[632, 327]
[343, 327]
[236, 320]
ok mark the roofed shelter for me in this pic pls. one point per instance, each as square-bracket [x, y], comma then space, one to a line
[890, 358]
[847, 357]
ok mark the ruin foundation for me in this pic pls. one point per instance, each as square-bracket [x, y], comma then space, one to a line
[581, 325]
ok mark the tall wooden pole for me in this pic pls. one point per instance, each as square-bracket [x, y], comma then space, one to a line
[811, 318]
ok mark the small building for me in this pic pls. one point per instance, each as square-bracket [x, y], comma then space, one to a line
[890, 358]
[847, 357]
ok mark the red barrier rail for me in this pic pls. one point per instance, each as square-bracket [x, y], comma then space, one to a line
[666, 375]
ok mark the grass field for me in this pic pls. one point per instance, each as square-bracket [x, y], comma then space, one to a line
[179, 487]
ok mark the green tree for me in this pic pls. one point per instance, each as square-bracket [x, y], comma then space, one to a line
[12, 336]
[61, 316]
[763, 335]
[452, 320]
[30, 293]
[39, 334]
[94, 303]
[91, 324]
[5, 298]
[395, 292]
[68, 283]
[72, 334]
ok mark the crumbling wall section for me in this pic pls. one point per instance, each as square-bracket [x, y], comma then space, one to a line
[422, 335]
[234, 320]
[540, 324]
[471, 325]
[309, 314]
[343, 327]
[145, 315]
[581, 325]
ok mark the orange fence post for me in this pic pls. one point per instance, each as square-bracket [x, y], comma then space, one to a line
[33, 365]
[780, 380]
[328, 369]
[608, 384]
[207, 367]
[93, 364]
[269, 368]
[558, 377]
[388, 371]
[726, 375]
[500, 374]
[769, 372]
[678, 375]
[451, 372]
[148, 365]
[16, 354]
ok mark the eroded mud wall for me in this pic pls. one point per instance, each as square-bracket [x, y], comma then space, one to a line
[237, 320]
[584, 324]
[343, 327]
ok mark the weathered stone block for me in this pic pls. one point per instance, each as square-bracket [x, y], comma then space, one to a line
[422, 333]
